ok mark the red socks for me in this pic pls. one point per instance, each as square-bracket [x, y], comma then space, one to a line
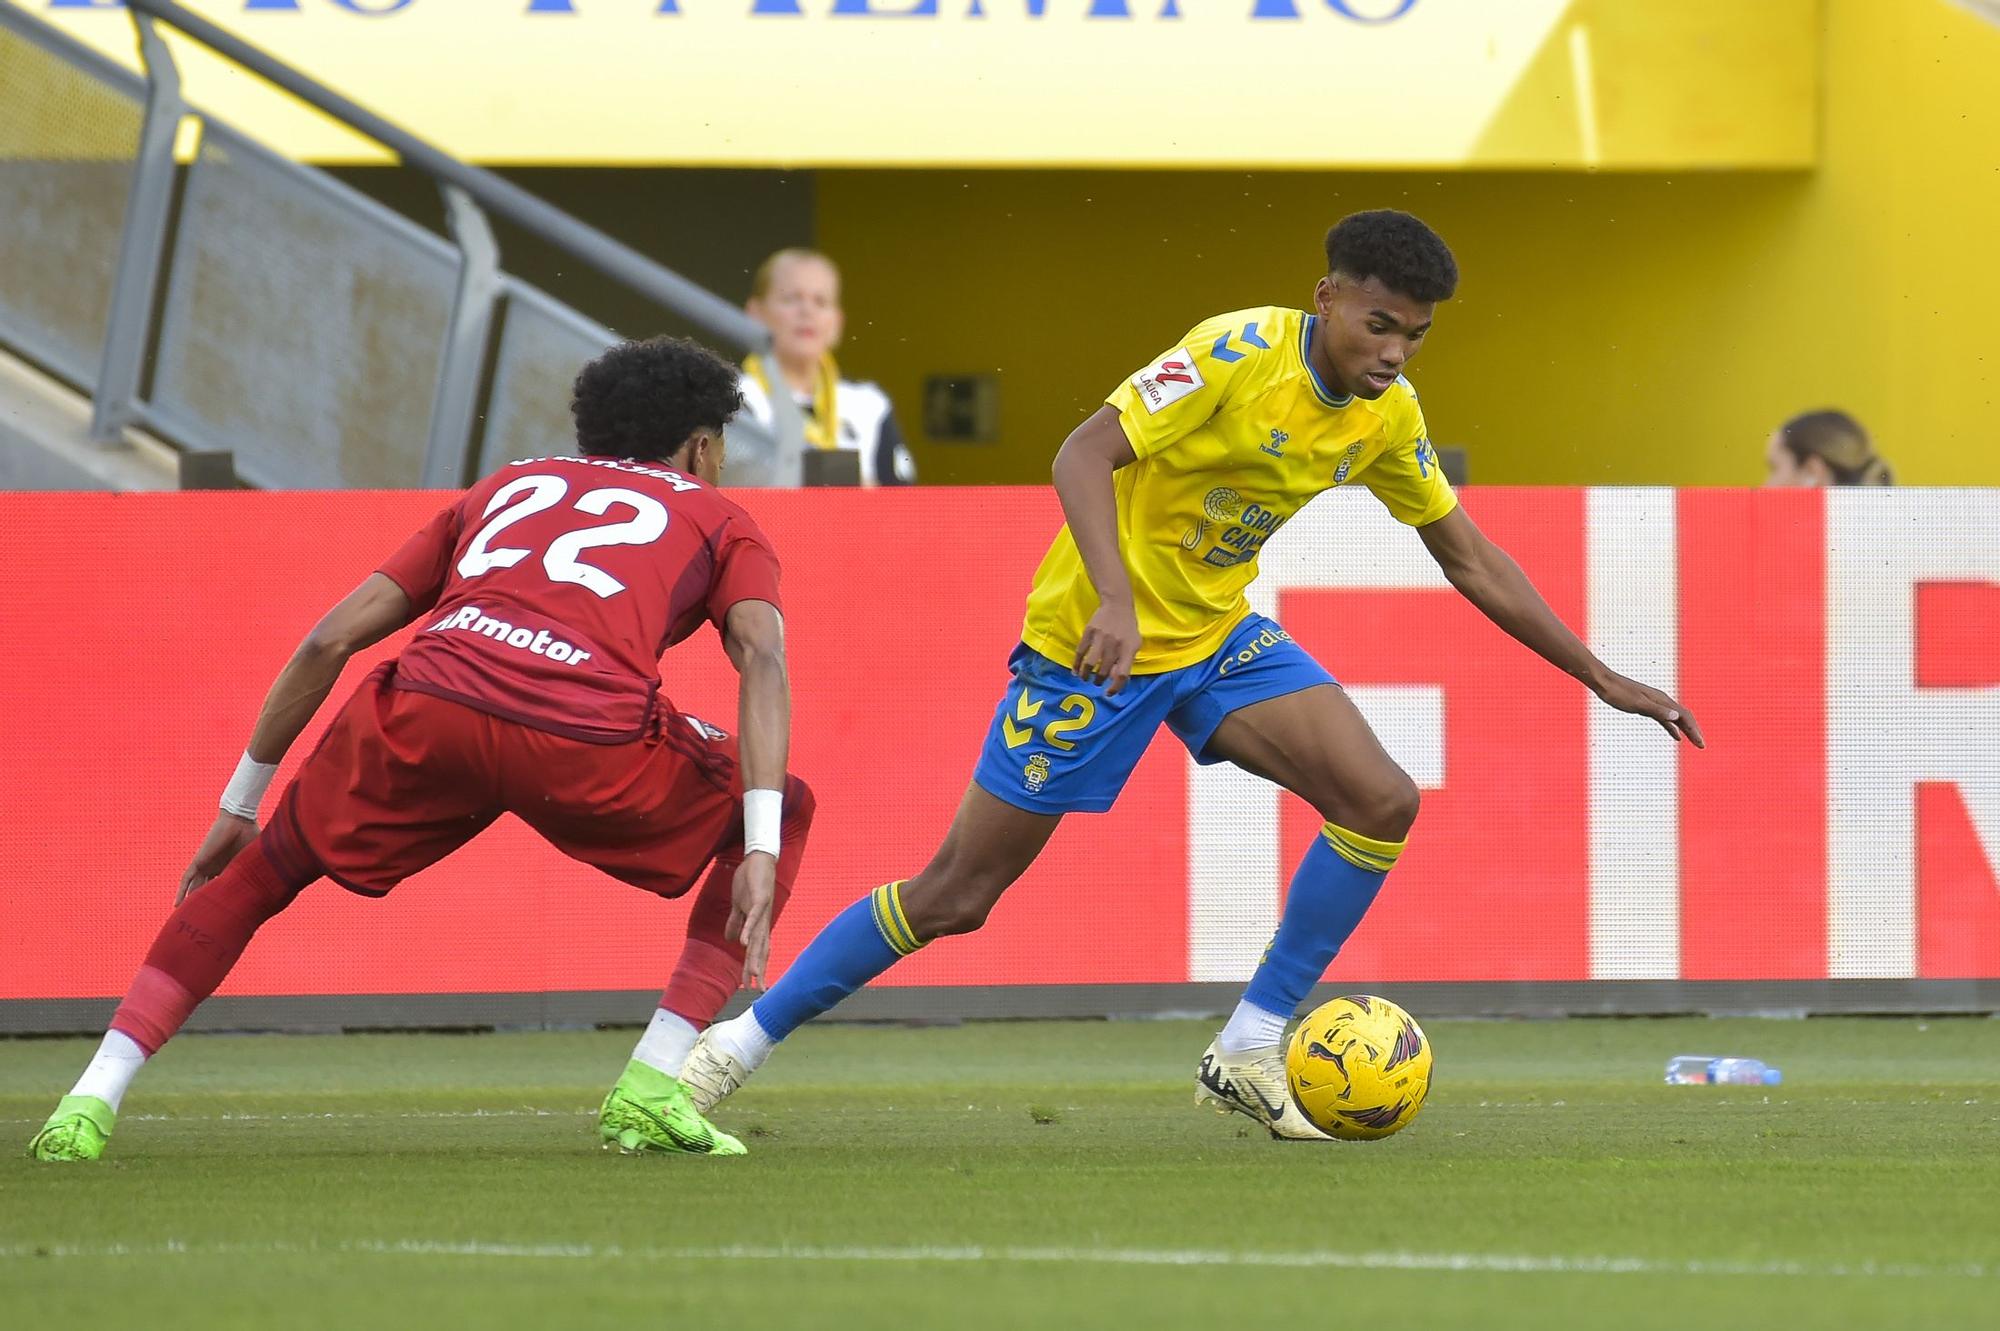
[206, 933]
[198, 944]
[711, 967]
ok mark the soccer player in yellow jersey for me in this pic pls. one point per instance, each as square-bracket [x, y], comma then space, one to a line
[1138, 616]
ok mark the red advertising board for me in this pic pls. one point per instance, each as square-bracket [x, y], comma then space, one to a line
[1842, 652]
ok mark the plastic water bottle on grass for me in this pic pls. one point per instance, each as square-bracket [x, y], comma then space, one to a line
[1707, 1070]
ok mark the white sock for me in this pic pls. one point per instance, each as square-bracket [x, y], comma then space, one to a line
[743, 1038]
[666, 1042]
[117, 1061]
[1251, 1027]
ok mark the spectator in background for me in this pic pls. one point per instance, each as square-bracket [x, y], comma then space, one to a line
[796, 294]
[1823, 448]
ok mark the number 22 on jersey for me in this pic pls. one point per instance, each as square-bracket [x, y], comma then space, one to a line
[562, 560]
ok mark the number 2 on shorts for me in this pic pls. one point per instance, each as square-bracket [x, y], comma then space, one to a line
[1078, 711]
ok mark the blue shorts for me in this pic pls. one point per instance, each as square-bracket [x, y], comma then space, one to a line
[1058, 745]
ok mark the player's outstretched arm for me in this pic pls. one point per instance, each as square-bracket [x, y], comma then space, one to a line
[1082, 476]
[754, 634]
[1488, 577]
[368, 614]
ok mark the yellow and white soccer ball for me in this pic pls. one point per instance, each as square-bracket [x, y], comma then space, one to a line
[1359, 1067]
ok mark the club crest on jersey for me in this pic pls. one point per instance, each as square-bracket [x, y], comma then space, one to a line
[1168, 380]
[1346, 464]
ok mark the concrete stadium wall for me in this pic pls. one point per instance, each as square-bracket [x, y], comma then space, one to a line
[712, 226]
[1610, 329]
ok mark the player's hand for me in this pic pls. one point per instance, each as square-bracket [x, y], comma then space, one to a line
[1110, 641]
[753, 900]
[223, 843]
[1629, 695]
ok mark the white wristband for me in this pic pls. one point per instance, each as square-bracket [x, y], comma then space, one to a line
[763, 810]
[245, 790]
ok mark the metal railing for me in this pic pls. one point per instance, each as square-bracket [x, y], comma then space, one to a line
[247, 304]
[70, 127]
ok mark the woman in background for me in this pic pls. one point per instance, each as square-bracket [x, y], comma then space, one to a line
[1823, 448]
[796, 294]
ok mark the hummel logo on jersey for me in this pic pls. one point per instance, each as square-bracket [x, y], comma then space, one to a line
[1276, 448]
[1211, 1077]
[541, 642]
[1168, 380]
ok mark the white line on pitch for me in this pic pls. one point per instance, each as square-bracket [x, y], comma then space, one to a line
[355, 1114]
[1488, 1263]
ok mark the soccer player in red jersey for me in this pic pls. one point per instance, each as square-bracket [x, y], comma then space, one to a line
[546, 595]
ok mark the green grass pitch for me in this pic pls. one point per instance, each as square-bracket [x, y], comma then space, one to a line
[1020, 1175]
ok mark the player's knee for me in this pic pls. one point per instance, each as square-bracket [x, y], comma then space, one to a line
[1409, 803]
[962, 916]
[940, 905]
[1386, 810]
[1393, 810]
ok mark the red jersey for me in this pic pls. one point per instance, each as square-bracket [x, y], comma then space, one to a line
[551, 588]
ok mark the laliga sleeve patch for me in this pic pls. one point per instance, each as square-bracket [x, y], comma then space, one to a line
[1168, 380]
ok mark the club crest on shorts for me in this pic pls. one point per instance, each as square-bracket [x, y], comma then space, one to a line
[1036, 774]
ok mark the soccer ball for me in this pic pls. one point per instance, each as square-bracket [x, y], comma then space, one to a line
[1359, 1067]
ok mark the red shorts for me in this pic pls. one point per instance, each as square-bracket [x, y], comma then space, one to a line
[401, 779]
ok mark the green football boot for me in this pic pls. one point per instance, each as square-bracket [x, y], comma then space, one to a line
[649, 1111]
[77, 1130]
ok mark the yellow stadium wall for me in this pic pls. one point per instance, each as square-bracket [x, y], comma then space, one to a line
[1610, 328]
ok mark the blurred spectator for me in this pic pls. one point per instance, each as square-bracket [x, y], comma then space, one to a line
[796, 294]
[1823, 448]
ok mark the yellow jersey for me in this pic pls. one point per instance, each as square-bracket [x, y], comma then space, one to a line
[1234, 433]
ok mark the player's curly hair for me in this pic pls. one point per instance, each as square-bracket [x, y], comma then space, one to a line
[645, 399]
[1407, 256]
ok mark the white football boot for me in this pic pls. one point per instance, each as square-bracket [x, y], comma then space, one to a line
[712, 1074]
[1251, 1083]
